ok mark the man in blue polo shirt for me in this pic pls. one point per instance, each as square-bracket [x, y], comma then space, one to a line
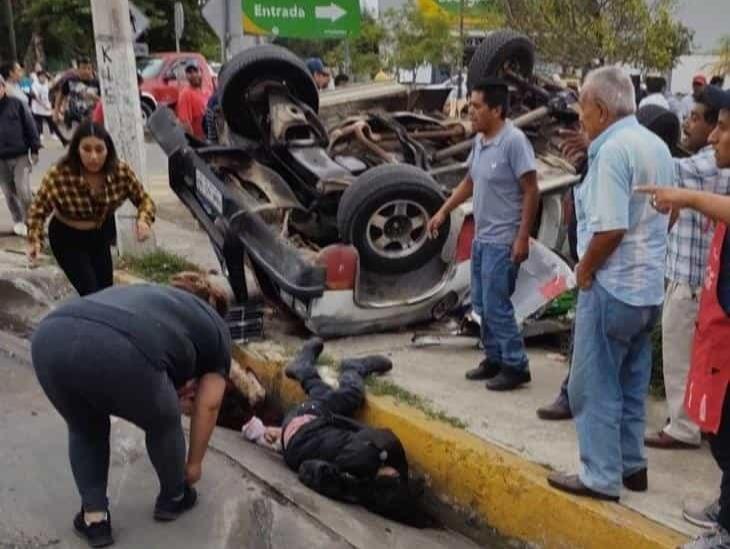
[621, 245]
[502, 178]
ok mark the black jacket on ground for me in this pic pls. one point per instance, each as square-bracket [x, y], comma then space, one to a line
[18, 132]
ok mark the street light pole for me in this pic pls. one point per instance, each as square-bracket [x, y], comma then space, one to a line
[117, 73]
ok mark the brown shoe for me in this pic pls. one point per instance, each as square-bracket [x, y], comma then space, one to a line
[637, 482]
[663, 441]
[573, 485]
[556, 411]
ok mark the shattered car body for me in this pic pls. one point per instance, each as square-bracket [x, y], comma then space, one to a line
[334, 224]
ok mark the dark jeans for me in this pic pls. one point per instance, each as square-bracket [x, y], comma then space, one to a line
[39, 120]
[720, 446]
[90, 372]
[84, 256]
[343, 401]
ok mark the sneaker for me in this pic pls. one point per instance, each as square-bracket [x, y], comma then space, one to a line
[20, 229]
[701, 514]
[167, 510]
[97, 534]
[367, 365]
[718, 538]
[509, 379]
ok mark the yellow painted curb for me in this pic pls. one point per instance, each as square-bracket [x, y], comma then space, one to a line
[505, 491]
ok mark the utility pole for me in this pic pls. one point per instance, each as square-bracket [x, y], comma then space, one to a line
[461, 49]
[122, 111]
[8, 49]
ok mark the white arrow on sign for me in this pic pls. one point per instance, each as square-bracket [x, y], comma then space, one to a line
[333, 12]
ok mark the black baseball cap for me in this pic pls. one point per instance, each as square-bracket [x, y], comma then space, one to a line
[717, 98]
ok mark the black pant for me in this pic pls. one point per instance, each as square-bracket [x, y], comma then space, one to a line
[85, 256]
[90, 371]
[343, 401]
[720, 446]
[40, 119]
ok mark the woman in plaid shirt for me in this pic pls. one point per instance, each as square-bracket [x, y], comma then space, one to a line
[83, 191]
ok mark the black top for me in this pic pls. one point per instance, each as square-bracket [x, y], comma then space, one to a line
[175, 330]
[18, 132]
[83, 94]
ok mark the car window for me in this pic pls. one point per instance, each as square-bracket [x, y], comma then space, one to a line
[149, 67]
[177, 69]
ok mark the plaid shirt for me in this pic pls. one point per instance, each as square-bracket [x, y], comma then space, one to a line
[70, 195]
[688, 243]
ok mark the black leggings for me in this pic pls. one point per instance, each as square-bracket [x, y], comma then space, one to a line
[720, 446]
[85, 256]
[89, 372]
[40, 119]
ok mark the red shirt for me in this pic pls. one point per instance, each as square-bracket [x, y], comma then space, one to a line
[191, 106]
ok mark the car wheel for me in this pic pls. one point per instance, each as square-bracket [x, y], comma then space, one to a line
[255, 66]
[500, 50]
[147, 109]
[384, 215]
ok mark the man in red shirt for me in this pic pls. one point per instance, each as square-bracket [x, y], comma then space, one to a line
[192, 102]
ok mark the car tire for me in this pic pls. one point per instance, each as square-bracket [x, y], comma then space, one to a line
[384, 215]
[256, 65]
[497, 50]
[147, 109]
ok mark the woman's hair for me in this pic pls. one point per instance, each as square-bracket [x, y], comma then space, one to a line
[86, 129]
[201, 285]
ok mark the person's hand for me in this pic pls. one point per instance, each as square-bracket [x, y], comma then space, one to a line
[34, 159]
[520, 250]
[665, 199]
[143, 230]
[193, 472]
[574, 145]
[583, 278]
[33, 252]
[434, 224]
[56, 117]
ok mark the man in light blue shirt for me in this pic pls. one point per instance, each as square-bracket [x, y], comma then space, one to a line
[503, 181]
[622, 247]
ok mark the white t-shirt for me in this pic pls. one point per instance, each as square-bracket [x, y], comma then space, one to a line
[655, 99]
[41, 104]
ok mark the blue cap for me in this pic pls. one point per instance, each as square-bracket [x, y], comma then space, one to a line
[717, 98]
[315, 64]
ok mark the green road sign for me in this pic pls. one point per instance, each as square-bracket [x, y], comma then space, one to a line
[317, 19]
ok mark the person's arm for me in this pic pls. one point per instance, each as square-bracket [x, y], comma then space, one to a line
[38, 212]
[208, 401]
[461, 194]
[530, 202]
[30, 131]
[714, 206]
[608, 211]
[142, 200]
[60, 98]
[185, 112]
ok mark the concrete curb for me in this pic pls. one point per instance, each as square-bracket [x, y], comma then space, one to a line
[500, 488]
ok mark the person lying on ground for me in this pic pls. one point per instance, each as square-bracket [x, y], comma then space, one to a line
[134, 352]
[335, 455]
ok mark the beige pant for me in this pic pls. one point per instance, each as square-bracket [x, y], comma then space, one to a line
[681, 303]
[15, 184]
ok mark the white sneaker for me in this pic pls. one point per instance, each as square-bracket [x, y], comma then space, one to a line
[20, 229]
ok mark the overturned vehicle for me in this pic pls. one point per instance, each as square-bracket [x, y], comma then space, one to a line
[333, 224]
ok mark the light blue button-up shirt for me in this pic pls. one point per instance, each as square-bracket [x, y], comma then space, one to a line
[621, 158]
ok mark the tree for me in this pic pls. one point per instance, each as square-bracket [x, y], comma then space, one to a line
[722, 66]
[422, 37]
[580, 32]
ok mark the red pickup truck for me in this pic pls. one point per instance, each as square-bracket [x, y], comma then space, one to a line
[163, 77]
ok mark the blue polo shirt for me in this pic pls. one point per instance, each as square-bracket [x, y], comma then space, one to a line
[496, 166]
[621, 158]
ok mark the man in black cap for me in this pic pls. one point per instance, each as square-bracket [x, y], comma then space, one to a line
[334, 455]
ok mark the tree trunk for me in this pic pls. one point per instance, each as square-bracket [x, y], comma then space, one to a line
[35, 54]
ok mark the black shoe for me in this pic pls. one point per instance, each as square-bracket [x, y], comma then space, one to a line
[373, 364]
[167, 510]
[487, 369]
[557, 411]
[509, 379]
[98, 534]
[303, 362]
[638, 482]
